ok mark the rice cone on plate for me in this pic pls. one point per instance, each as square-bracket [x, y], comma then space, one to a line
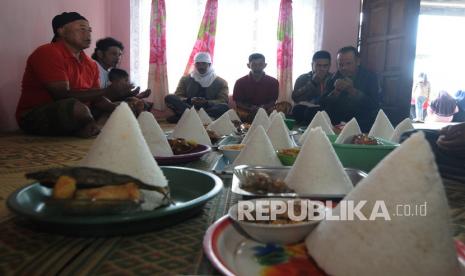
[279, 134]
[402, 127]
[350, 129]
[317, 169]
[258, 151]
[191, 129]
[182, 119]
[318, 120]
[121, 148]
[233, 115]
[154, 135]
[403, 245]
[382, 127]
[222, 125]
[272, 114]
[325, 114]
[261, 119]
[206, 120]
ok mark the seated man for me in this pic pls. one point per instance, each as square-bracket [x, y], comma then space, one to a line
[202, 88]
[107, 54]
[310, 87]
[352, 92]
[255, 90]
[60, 87]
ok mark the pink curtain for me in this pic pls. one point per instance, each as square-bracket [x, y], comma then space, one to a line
[158, 79]
[206, 37]
[285, 50]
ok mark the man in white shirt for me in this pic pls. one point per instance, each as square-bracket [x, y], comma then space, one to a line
[107, 54]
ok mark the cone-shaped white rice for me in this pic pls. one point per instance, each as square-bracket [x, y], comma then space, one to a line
[191, 128]
[317, 169]
[272, 114]
[233, 115]
[261, 119]
[350, 129]
[121, 148]
[318, 120]
[206, 120]
[154, 135]
[279, 134]
[181, 120]
[258, 151]
[406, 177]
[325, 114]
[382, 127]
[402, 127]
[222, 125]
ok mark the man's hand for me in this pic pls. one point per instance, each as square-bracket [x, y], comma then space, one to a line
[199, 102]
[144, 94]
[121, 91]
[343, 84]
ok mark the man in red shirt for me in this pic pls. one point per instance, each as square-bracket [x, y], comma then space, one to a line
[60, 88]
[255, 90]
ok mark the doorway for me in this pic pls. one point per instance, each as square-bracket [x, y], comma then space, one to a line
[439, 46]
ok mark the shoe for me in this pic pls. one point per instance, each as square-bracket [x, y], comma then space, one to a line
[173, 119]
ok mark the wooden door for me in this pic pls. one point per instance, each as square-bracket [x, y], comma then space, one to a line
[387, 46]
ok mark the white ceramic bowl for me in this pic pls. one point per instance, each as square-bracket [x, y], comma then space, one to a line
[231, 151]
[287, 233]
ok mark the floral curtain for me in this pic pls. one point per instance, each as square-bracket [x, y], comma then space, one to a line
[285, 50]
[158, 80]
[206, 35]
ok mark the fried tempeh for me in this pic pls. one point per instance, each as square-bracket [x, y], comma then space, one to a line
[64, 188]
[129, 191]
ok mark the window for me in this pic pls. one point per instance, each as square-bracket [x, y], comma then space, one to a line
[243, 27]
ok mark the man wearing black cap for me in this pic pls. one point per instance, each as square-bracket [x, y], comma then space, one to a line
[60, 93]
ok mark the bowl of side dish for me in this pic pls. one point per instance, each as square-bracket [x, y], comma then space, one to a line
[277, 220]
[231, 151]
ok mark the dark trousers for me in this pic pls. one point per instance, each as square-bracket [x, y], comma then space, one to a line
[178, 106]
[304, 114]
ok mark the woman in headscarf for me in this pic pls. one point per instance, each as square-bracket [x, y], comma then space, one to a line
[442, 109]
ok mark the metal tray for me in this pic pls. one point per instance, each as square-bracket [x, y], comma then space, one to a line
[223, 167]
[354, 175]
[227, 140]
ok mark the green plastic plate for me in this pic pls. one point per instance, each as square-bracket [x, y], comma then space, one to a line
[190, 190]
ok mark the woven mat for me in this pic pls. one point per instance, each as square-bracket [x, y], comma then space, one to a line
[173, 250]
[25, 251]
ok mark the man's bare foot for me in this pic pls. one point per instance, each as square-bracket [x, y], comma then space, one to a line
[144, 94]
[89, 130]
[148, 106]
[136, 105]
